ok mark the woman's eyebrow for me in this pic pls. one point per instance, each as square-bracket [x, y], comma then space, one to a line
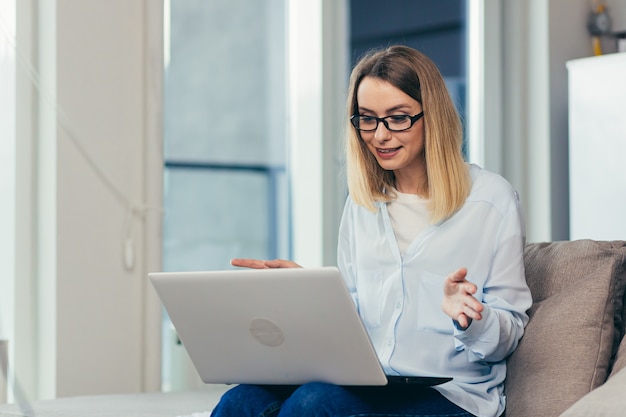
[389, 110]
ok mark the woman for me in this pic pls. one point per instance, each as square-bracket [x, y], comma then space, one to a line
[431, 249]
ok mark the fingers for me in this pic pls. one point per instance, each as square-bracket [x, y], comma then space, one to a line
[463, 321]
[473, 305]
[468, 288]
[462, 314]
[458, 275]
[473, 313]
[248, 263]
[456, 283]
[463, 309]
[281, 263]
[263, 264]
[459, 302]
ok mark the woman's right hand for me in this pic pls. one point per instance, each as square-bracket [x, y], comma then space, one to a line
[458, 299]
[263, 264]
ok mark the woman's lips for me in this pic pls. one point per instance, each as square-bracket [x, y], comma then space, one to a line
[387, 153]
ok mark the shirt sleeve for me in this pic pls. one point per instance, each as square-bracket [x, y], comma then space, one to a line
[505, 296]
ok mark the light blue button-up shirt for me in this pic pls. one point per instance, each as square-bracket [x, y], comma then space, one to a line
[399, 297]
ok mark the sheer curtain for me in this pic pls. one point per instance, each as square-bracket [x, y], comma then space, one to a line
[7, 186]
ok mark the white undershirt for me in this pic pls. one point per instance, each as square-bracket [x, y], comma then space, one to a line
[409, 216]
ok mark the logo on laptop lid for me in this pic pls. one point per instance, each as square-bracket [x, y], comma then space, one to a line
[266, 332]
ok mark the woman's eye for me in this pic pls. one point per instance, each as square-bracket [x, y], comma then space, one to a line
[400, 118]
[367, 121]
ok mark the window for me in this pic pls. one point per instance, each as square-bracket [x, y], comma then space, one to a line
[225, 186]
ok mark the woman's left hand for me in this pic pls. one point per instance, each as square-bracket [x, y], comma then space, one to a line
[458, 302]
[263, 264]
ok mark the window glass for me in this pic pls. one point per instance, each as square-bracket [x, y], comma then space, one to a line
[214, 215]
[225, 120]
[225, 127]
[225, 82]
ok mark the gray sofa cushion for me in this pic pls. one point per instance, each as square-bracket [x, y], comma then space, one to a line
[606, 401]
[575, 325]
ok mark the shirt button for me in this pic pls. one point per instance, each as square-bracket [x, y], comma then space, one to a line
[398, 305]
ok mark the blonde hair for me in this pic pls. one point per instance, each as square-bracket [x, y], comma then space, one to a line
[447, 183]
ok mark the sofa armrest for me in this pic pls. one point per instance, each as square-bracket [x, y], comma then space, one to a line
[607, 400]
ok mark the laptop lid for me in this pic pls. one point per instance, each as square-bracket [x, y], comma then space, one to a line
[270, 326]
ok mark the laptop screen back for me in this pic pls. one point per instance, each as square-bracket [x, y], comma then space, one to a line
[270, 326]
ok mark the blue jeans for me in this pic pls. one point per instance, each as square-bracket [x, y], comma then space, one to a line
[318, 399]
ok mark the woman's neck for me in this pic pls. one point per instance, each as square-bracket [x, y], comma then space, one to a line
[412, 184]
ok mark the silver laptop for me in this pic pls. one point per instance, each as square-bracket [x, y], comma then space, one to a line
[272, 326]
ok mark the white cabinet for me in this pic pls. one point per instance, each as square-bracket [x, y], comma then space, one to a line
[597, 147]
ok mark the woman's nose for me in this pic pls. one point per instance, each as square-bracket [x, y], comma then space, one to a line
[382, 133]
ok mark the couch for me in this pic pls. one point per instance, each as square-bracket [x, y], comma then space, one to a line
[571, 361]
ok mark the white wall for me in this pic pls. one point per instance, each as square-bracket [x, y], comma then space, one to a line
[94, 173]
[597, 147]
[569, 40]
[537, 38]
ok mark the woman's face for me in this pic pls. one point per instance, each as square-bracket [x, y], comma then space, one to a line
[401, 152]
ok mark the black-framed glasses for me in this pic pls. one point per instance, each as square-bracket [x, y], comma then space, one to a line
[393, 123]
